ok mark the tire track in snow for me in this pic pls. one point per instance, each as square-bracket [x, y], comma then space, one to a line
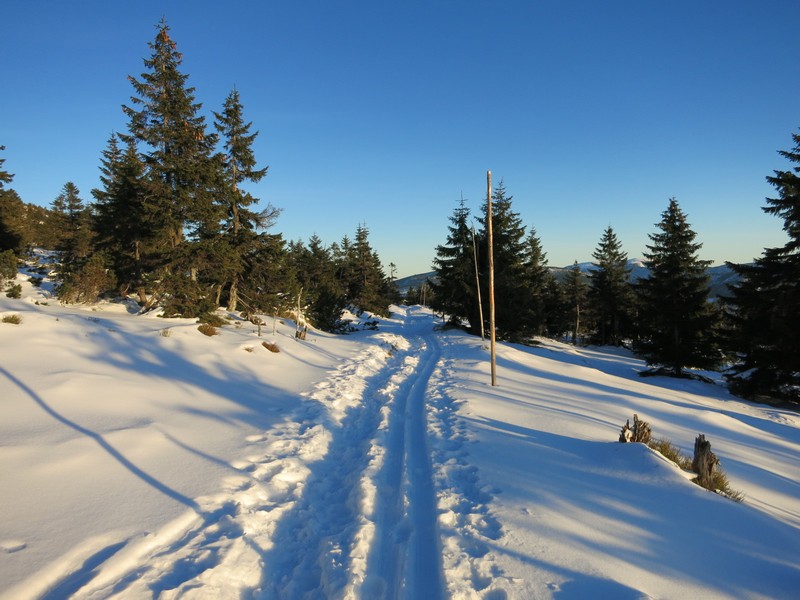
[320, 545]
[406, 556]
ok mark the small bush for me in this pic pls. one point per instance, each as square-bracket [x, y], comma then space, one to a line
[207, 329]
[13, 319]
[14, 291]
[166, 332]
[36, 281]
[212, 319]
[271, 347]
[8, 265]
[87, 283]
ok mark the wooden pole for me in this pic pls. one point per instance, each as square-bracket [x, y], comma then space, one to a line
[478, 283]
[491, 274]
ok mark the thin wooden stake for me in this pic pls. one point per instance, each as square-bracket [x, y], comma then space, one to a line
[491, 274]
[478, 283]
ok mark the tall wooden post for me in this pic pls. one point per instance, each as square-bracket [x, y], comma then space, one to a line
[491, 273]
[478, 283]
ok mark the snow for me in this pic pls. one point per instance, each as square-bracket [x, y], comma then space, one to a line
[140, 459]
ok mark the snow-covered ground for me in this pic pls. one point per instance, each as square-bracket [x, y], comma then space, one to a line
[140, 458]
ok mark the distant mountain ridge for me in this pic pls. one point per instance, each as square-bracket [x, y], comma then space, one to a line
[721, 276]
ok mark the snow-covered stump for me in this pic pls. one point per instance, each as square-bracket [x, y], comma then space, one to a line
[640, 432]
[704, 462]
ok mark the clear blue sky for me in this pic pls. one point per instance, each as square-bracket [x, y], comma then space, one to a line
[593, 113]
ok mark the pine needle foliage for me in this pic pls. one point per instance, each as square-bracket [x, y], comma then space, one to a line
[678, 324]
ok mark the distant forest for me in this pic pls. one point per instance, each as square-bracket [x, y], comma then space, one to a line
[174, 226]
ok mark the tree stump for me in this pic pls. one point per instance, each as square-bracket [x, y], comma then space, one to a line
[627, 433]
[640, 432]
[704, 462]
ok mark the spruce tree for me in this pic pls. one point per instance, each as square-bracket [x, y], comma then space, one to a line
[123, 221]
[75, 238]
[11, 210]
[575, 291]
[540, 291]
[368, 288]
[241, 225]
[678, 325]
[510, 254]
[454, 287]
[610, 295]
[765, 306]
[181, 173]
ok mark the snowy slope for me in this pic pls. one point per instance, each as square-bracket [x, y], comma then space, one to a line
[375, 465]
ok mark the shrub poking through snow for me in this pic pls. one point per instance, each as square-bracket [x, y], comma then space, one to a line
[166, 332]
[13, 319]
[14, 291]
[271, 347]
[213, 319]
[207, 329]
[640, 432]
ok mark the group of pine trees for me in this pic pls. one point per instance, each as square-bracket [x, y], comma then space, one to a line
[667, 316]
[174, 225]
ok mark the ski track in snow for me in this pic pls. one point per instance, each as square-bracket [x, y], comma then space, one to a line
[364, 492]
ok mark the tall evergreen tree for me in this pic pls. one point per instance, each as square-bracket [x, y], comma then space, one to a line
[575, 291]
[123, 221]
[369, 288]
[5, 176]
[75, 240]
[11, 209]
[610, 295]
[540, 286]
[677, 322]
[766, 304]
[241, 225]
[181, 174]
[510, 255]
[454, 287]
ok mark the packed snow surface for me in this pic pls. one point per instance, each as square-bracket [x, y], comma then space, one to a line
[140, 458]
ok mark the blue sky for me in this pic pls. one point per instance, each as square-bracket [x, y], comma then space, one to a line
[592, 113]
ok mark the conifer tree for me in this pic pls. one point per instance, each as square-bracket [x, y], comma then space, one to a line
[123, 222]
[540, 293]
[765, 306]
[575, 290]
[75, 238]
[610, 295]
[5, 176]
[454, 288]
[11, 208]
[368, 287]
[180, 171]
[241, 224]
[510, 255]
[677, 322]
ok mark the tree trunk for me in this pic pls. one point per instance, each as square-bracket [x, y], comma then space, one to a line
[704, 462]
[233, 295]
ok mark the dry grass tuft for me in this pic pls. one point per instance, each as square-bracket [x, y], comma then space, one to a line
[207, 329]
[666, 448]
[270, 346]
[13, 319]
